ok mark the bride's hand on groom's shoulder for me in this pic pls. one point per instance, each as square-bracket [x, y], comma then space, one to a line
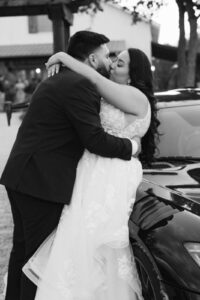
[52, 70]
[53, 63]
[55, 59]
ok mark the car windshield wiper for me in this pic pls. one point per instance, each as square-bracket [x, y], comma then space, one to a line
[178, 158]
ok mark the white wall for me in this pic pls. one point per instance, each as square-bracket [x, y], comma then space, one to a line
[117, 25]
[14, 31]
[113, 22]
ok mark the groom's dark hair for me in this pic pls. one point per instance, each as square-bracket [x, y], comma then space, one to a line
[83, 43]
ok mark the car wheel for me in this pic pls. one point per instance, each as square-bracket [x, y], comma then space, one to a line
[151, 286]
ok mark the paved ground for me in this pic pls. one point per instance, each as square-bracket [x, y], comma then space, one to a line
[7, 136]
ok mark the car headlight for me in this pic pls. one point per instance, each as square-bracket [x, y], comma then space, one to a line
[194, 251]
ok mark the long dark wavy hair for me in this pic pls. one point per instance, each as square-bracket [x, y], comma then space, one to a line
[141, 77]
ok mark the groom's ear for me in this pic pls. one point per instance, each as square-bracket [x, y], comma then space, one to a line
[93, 61]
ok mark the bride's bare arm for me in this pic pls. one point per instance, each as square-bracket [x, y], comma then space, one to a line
[127, 98]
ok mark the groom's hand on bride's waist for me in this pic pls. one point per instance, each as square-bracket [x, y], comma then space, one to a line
[136, 146]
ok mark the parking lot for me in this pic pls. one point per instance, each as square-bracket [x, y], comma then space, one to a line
[7, 136]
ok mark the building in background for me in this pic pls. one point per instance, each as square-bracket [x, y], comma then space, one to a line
[27, 41]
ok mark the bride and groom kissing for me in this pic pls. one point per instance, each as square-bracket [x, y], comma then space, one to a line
[73, 172]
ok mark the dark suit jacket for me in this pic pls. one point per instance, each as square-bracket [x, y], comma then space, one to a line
[62, 120]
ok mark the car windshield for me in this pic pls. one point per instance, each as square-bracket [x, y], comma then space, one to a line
[179, 129]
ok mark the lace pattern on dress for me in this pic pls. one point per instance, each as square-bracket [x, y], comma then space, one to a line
[112, 119]
[114, 122]
[66, 280]
[127, 271]
[139, 126]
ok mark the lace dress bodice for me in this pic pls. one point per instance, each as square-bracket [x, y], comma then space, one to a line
[114, 122]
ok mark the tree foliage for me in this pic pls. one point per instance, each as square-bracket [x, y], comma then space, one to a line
[187, 51]
[144, 9]
[140, 9]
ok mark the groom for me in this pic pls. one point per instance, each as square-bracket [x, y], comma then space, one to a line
[62, 120]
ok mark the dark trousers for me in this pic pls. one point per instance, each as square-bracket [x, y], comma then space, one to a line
[34, 219]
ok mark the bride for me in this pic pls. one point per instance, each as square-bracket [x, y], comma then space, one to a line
[88, 257]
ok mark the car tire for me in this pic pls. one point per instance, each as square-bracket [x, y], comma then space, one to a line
[151, 285]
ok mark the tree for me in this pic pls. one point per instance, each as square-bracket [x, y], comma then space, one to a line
[187, 52]
[145, 9]
[140, 9]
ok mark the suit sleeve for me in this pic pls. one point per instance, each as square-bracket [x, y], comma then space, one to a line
[82, 109]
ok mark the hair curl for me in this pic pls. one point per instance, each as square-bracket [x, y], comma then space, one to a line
[141, 77]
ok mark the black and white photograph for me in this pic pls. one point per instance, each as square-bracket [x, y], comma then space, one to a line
[99, 150]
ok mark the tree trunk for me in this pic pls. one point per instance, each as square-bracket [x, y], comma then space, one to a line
[182, 65]
[192, 52]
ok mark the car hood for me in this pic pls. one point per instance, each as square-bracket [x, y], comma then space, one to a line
[180, 185]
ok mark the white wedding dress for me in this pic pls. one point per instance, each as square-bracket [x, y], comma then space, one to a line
[88, 256]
